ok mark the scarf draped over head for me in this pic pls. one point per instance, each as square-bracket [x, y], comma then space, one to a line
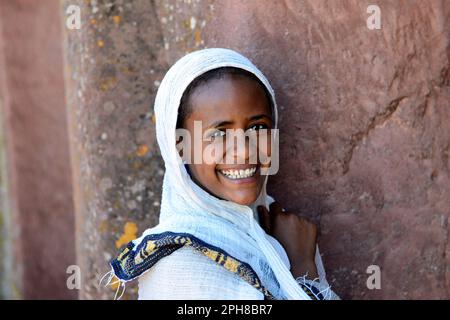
[224, 231]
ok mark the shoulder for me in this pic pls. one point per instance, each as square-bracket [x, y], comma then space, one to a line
[188, 274]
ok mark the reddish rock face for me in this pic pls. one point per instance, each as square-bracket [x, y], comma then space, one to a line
[365, 132]
[364, 119]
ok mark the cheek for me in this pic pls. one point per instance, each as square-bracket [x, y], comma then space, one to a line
[203, 173]
[265, 148]
[205, 152]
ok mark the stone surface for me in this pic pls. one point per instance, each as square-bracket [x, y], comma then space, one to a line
[365, 132]
[37, 204]
[113, 64]
[364, 119]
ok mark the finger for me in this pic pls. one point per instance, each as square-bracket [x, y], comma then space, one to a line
[275, 207]
[275, 211]
[311, 226]
[308, 221]
[264, 218]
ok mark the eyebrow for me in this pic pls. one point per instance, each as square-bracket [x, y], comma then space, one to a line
[221, 123]
[260, 116]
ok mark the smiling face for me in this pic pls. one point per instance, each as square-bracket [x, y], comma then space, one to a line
[229, 102]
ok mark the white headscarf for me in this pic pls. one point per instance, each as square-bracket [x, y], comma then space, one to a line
[187, 208]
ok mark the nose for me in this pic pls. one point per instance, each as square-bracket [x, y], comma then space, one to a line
[240, 148]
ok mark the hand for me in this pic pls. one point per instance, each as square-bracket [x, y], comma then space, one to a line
[297, 235]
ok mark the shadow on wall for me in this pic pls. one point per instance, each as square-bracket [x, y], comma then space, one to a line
[38, 237]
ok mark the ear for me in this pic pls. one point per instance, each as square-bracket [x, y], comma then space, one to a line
[180, 146]
[183, 141]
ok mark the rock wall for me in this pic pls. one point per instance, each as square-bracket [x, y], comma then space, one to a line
[37, 215]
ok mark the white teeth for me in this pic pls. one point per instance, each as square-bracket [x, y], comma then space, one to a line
[239, 174]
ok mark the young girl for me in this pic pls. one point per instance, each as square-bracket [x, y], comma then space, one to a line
[220, 236]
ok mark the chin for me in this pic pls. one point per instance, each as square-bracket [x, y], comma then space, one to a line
[244, 200]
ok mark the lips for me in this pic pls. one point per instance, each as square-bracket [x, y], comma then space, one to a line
[235, 174]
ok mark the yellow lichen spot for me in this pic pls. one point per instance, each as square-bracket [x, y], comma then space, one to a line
[198, 37]
[153, 119]
[100, 43]
[114, 283]
[142, 150]
[117, 20]
[107, 83]
[116, 205]
[93, 21]
[103, 226]
[129, 233]
[137, 165]
[103, 86]
[128, 70]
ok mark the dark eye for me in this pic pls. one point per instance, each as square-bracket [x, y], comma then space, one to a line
[256, 127]
[217, 134]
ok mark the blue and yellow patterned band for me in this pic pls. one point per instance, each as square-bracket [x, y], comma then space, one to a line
[132, 262]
